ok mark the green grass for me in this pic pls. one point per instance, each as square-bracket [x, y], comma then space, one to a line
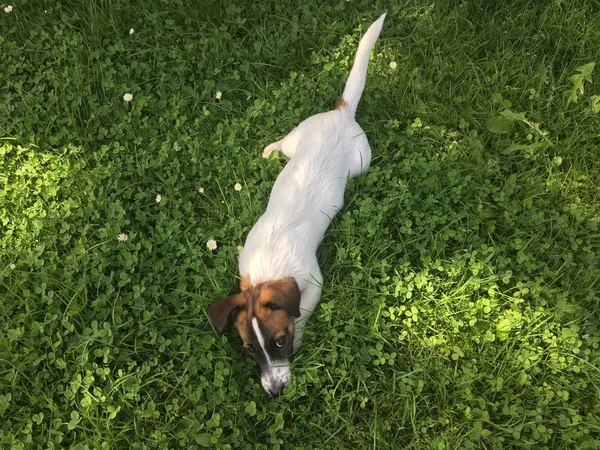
[462, 278]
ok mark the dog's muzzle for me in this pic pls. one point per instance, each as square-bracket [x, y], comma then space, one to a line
[276, 378]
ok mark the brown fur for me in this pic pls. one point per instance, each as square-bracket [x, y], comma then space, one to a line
[220, 312]
[273, 303]
[245, 284]
[259, 303]
[277, 323]
[341, 104]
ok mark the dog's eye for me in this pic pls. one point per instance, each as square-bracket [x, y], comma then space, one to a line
[280, 342]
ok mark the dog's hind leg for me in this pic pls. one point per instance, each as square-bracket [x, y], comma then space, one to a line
[360, 156]
[287, 145]
[269, 148]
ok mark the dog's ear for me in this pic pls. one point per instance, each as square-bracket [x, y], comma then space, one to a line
[221, 312]
[281, 294]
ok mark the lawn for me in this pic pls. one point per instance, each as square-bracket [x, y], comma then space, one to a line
[462, 277]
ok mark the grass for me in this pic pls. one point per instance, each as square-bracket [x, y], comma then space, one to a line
[460, 305]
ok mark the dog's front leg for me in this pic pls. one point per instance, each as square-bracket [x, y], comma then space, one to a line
[309, 300]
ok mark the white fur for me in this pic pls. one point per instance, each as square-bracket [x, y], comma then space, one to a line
[261, 339]
[277, 374]
[325, 150]
[276, 378]
[358, 75]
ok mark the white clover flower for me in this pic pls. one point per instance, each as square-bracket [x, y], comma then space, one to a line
[240, 249]
[158, 198]
[8, 9]
[201, 190]
[393, 65]
[131, 31]
[218, 95]
[128, 97]
[122, 237]
[13, 266]
[211, 244]
[238, 187]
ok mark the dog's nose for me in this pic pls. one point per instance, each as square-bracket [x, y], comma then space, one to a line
[276, 389]
[273, 386]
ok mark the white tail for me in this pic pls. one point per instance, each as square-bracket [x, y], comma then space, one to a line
[358, 75]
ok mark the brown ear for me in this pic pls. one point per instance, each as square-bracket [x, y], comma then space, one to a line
[281, 294]
[221, 311]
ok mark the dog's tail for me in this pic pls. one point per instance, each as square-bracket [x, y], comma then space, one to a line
[356, 81]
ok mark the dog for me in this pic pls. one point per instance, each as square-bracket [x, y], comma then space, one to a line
[280, 276]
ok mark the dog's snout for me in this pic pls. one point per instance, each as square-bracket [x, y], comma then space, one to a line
[276, 389]
[273, 386]
[275, 379]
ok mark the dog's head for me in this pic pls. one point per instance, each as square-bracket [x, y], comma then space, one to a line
[264, 317]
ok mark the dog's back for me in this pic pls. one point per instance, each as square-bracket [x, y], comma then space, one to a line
[325, 150]
[306, 196]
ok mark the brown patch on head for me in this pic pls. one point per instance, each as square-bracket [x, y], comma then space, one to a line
[341, 104]
[242, 324]
[281, 294]
[277, 323]
[274, 304]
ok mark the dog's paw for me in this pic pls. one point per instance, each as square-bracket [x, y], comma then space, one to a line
[269, 148]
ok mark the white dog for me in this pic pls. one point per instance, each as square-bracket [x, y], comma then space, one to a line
[280, 275]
